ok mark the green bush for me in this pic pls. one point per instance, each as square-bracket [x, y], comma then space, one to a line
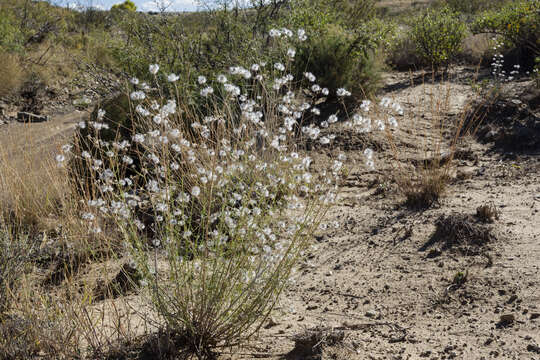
[340, 58]
[11, 38]
[519, 26]
[315, 16]
[472, 6]
[438, 35]
[127, 5]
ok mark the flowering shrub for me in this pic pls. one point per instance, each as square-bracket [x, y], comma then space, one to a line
[220, 204]
[438, 35]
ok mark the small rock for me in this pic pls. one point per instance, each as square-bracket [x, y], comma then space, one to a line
[533, 348]
[535, 315]
[507, 319]
[372, 314]
[271, 323]
[512, 299]
[433, 253]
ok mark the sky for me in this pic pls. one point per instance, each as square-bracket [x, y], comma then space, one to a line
[142, 5]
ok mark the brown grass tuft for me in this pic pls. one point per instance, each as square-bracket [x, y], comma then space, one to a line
[426, 191]
[487, 213]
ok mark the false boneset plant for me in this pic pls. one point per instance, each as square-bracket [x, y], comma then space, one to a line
[220, 202]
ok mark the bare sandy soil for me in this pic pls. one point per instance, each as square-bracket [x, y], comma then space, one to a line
[378, 285]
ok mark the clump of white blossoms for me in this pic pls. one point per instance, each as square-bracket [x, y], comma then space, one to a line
[228, 192]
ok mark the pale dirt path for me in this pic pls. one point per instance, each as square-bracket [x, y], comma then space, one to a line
[31, 138]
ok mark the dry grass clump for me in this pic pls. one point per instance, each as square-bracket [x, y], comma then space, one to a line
[427, 190]
[31, 187]
[487, 213]
[14, 262]
[423, 177]
[11, 74]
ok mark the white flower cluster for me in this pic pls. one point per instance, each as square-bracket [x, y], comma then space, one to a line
[225, 177]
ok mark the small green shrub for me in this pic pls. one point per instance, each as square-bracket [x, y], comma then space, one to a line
[11, 38]
[340, 58]
[472, 6]
[127, 5]
[438, 35]
[518, 24]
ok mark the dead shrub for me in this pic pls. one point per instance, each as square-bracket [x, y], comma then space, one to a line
[311, 343]
[460, 232]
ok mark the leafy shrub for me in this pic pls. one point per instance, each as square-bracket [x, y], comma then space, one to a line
[518, 24]
[11, 38]
[472, 6]
[315, 16]
[438, 35]
[127, 5]
[339, 58]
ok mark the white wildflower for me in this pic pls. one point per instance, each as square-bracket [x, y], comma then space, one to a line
[153, 68]
[173, 78]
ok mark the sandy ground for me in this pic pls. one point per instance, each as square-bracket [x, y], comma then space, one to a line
[369, 279]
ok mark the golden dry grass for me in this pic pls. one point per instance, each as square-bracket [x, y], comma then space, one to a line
[32, 187]
[11, 74]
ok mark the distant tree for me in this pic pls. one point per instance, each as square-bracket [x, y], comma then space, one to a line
[127, 5]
